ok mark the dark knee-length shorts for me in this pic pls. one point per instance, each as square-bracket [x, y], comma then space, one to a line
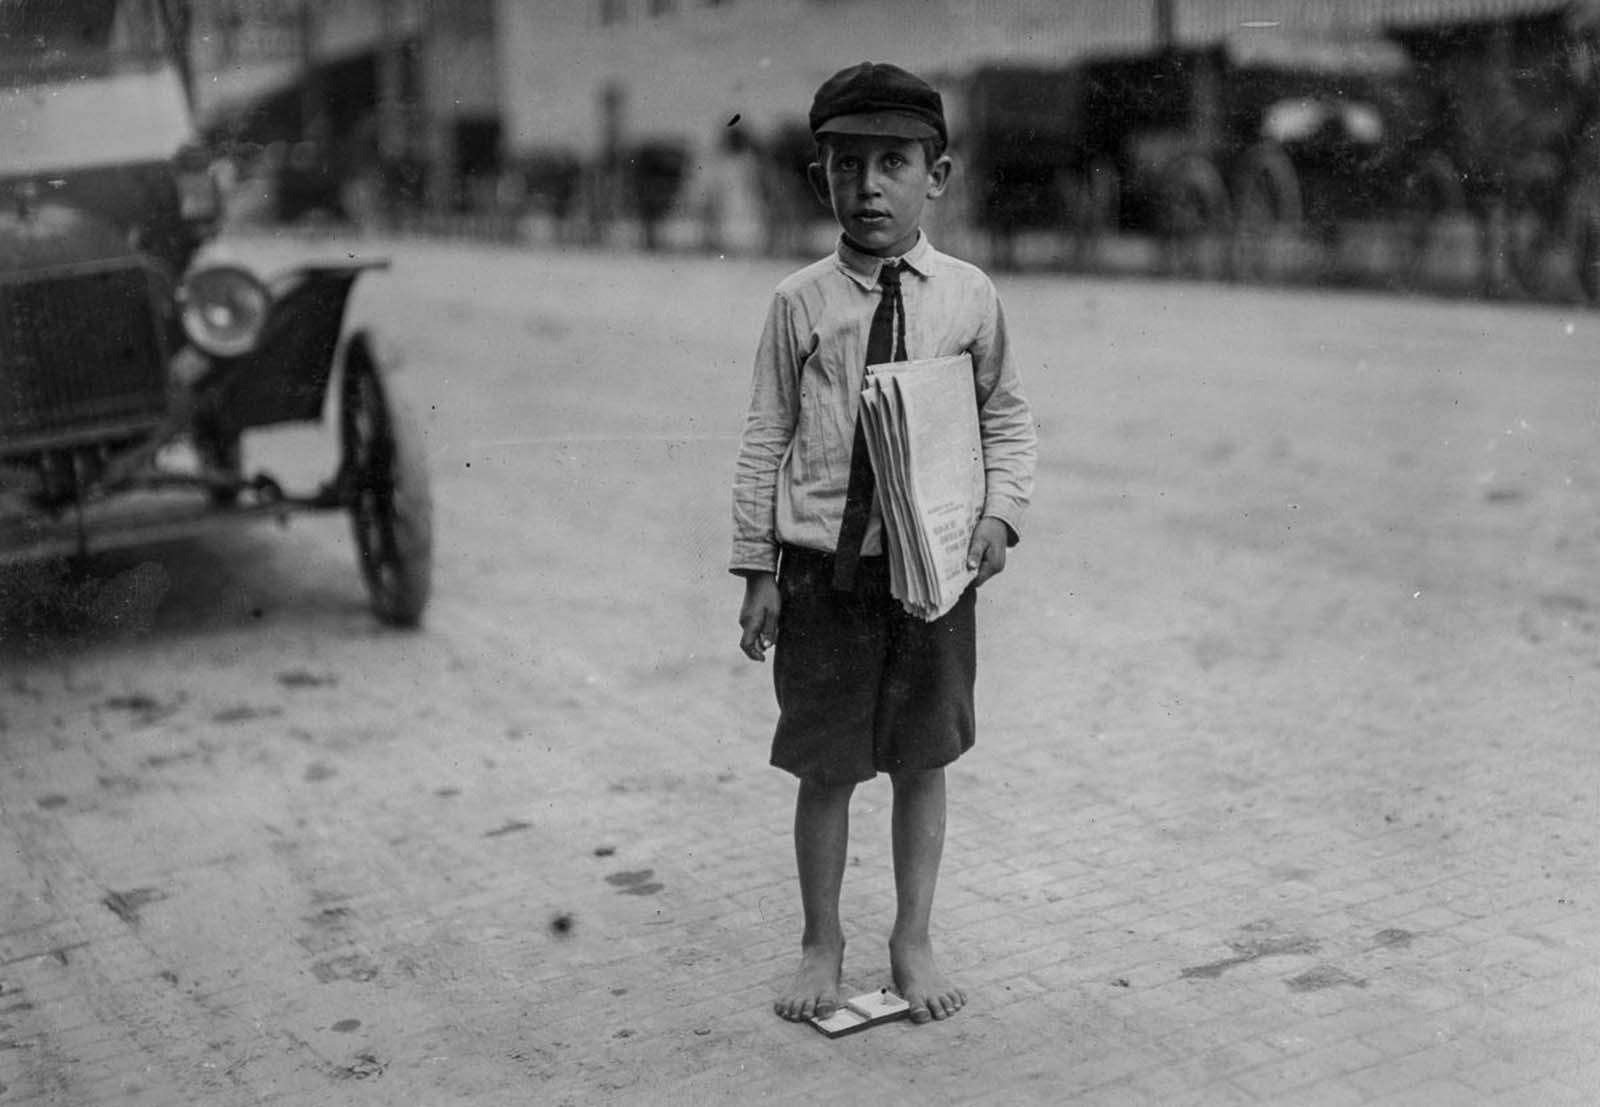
[863, 687]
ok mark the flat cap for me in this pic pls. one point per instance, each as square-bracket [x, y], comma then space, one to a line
[876, 98]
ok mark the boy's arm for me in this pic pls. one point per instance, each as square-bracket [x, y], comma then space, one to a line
[768, 429]
[1010, 443]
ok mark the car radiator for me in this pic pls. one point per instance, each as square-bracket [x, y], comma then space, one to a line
[82, 355]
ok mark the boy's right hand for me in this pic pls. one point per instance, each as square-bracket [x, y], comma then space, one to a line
[758, 615]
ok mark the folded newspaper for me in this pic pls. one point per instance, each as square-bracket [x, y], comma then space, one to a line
[921, 424]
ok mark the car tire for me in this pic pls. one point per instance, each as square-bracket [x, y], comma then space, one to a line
[390, 498]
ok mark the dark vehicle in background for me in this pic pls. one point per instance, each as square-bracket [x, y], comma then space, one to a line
[655, 173]
[1514, 108]
[1233, 153]
[132, 371]
[1219, 153]
[1028, 164]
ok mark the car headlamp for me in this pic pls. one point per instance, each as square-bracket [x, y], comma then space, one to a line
[223, 309]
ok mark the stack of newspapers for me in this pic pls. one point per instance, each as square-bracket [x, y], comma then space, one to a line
[921, 424]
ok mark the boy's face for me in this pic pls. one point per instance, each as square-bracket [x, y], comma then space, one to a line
[877, 186]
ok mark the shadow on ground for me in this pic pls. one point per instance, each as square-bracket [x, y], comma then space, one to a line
[210, 584]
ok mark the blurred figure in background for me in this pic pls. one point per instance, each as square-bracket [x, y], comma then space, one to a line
[723, 196]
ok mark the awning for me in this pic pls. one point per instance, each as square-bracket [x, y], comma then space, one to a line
[1413, 13]
[270, 103]
[1370, 55]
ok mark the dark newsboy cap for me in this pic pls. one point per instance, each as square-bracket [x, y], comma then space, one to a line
[876, 98]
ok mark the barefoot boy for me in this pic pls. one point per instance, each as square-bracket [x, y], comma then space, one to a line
[862, 686]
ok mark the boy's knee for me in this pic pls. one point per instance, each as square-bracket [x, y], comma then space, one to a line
[822, 791]
[916, 779]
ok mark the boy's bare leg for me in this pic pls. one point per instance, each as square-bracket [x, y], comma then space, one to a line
[918, 834]
[821, 841]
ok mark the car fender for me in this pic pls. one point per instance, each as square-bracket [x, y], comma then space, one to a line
[285, 377]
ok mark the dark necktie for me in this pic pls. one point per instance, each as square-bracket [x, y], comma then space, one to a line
[886, 341]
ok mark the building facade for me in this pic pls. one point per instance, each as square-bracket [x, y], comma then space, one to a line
[372, 83]
[459, 89]
[581, 75]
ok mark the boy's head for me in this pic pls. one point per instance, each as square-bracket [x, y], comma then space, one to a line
[881, 136]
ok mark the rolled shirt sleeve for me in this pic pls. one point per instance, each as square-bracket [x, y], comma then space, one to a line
[768, 432]
[1005, 424]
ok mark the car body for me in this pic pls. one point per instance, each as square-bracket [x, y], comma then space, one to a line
[131, 370]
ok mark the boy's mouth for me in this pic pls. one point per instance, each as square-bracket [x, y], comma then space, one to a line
[872, 215]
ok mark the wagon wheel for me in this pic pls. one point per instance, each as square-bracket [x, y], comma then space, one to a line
[1533, 224]
[1585, 238]
[1436, 197]
[1196, 220]
[1068, 189]
[391, 506]
[1094, 214]
[1267, 213]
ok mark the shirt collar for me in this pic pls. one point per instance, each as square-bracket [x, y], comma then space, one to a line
[863, 268]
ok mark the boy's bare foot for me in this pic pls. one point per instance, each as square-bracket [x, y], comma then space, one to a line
[921, 984]
[814, 991]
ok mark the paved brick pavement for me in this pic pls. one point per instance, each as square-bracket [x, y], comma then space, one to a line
[1260, 813]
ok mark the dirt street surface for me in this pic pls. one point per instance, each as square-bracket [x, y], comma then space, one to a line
[1285, 789]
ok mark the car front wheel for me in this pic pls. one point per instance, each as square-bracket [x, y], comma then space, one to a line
[389, 497]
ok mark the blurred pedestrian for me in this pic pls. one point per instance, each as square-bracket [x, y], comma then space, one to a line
[723, 197]
[862, 686]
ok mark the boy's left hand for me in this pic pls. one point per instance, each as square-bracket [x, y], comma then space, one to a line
[987, 550]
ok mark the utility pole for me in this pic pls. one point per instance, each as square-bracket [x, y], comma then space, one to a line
[392, 114]
[1166, 24]
[313, 98]
[438, 121]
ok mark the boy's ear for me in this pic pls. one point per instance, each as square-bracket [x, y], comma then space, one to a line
[819, 182]
[939, 176]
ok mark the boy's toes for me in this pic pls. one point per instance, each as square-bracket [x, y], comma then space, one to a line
[928, 993]
[800, 1009]
[814, 991]
[932, 1008]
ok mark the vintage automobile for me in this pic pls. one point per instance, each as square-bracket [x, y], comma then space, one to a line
[131, 371]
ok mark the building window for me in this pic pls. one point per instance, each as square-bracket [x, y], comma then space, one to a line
[662, 7]
[613, 12]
